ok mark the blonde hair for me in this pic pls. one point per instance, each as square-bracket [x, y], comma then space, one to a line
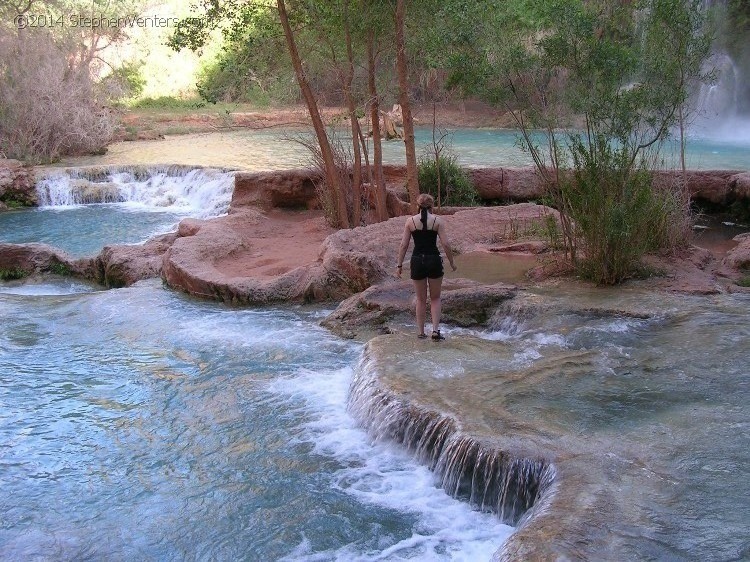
[425, 200]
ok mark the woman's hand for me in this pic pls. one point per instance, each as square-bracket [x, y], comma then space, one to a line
[453, 266]
[399, 269]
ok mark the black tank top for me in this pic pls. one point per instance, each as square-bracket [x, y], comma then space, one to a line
[425, 240]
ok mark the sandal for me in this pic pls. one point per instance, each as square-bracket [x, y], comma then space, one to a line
[422, 336]
[437, 336]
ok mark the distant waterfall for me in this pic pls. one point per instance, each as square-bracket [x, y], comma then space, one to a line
[718, 103]
[490, 479]
[722, 105]
[200, 192]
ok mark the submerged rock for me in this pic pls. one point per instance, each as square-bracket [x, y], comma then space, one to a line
[496, 431]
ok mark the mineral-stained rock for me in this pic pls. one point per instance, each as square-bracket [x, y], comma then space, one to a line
[225, 259]
[497, 434]
[350, 260]
[498, 184]
[123, 265]
[719, 187]
[34, 258]
[17, 184]
[265, 190]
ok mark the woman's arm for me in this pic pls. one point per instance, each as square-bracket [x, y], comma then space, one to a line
[404, 246]
[445, 243]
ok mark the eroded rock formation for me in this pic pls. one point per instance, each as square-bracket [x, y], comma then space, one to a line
[17, 185]
[474, 414]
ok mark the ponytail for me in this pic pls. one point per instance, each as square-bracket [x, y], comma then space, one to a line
[423, 217]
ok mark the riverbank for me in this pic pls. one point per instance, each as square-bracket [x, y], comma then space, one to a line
[262, 252]
[155, 123]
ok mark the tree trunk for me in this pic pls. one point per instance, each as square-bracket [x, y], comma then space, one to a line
[332, 176]
[381, 206]
[412, 183]
[357, 164]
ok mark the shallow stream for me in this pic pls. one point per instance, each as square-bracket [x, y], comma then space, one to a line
[140, 424]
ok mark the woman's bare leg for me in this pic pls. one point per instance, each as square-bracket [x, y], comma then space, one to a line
[436, 287]
[420, 287]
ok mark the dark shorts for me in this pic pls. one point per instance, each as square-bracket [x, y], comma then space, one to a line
[423, 266]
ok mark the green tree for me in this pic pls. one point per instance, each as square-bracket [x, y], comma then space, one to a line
[595, 89]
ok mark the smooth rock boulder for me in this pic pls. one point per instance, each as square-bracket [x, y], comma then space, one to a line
[123, 265]
[349, 260]
[28, 259]
[283, 188]
[738, 258]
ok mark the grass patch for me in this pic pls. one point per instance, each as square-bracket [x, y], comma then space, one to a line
[168, 102]
[13, 204]
[12, 274]
[61, 269]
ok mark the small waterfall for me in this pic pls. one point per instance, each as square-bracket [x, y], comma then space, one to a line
[490, 479]
[201, 192]
[718, 103]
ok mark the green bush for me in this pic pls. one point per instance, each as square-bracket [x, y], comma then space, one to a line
[456, 188]
[167, 102]
[12, 274]
[618, 215]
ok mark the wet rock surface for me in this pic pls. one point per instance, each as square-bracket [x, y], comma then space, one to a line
[596, 407]
[389, 306]
[559, 488]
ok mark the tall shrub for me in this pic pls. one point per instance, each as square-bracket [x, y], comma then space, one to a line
[49, 105]
[616, 212]
[446, 181]
[595, 88]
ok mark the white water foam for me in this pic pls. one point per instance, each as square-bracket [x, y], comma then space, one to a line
[383, 474]
[199, 192]
[40, 288]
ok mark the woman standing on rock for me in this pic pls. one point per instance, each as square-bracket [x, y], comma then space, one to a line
[426, 263]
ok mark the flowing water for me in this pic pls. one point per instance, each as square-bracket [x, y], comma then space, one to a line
[137, 424]
[131, 204]
[140, 424]
[273, 150]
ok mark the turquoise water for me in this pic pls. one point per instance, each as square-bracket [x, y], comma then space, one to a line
[272, 150]
[151, 200]
[83, 230]
[137, 424]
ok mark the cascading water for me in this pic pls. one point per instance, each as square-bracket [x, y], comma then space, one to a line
[722, 104]
[200, 192]
[488, 477]
[116, 205]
